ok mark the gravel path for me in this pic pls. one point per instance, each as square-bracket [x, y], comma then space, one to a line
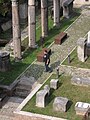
[78, 29]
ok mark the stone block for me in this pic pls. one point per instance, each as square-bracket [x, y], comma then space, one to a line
[41, 98]
[6, 25]
[80, 81]
[4, 61]
[81, 49]
[60, 104]
[82, 108]
[54, 83]
[47, 88]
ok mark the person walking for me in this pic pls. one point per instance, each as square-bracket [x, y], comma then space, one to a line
[47, 61]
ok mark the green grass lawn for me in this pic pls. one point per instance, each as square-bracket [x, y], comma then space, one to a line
[75, 62]
[66, 89]
[8, 77]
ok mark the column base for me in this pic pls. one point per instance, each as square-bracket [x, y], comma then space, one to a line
[67, 17]
[17, 59]
[56, 25]
[34, 47]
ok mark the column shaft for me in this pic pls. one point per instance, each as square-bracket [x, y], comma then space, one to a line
[56, 4]
[31, 23]
[44, 18]
[16, 29]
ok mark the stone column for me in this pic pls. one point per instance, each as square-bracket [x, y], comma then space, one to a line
[56, 4]
[88, 39]
[31, 24]
[16, 29]
[44, 18]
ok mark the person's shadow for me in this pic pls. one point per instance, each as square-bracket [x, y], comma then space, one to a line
[55, 64]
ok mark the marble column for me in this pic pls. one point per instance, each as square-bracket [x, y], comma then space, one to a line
[31, 23]
[44, 18]
[16, 29]
[56, 4]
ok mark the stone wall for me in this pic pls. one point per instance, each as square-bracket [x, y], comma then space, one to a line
[75, 71]
[30, 116]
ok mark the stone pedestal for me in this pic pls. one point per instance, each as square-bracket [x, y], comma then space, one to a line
[82, 108]
[41, 98]
[31, 23]
[7, 25]
[60, 104]
[4, 61]
[81, 49]
[56, 4]
[54, 83]
[16, 30]
[44, 18]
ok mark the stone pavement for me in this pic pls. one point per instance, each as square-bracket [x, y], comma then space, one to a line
[78, 29]
[6, 113]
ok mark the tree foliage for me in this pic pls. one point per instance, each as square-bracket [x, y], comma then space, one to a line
[4, 6]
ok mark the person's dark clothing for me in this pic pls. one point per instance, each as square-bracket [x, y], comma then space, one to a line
[47, 61]
[46, 58]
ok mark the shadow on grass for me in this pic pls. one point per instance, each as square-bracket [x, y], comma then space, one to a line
[50, 97]
[69, 104]
[11, 75]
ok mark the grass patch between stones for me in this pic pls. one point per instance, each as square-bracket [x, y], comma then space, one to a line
[75, 62]
[66, 89]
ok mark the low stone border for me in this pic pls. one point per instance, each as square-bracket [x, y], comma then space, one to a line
[74, 71]
[22, 115]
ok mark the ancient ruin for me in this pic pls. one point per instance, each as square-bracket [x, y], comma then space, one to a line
[54, 83]
[81, 49]
[16, 30]
[60, 104]
[82, 108]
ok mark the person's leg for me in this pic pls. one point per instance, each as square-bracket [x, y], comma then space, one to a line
[45, 68]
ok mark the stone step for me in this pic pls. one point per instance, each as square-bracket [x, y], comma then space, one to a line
[22, 94]
[27, 81]
[23, 88]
